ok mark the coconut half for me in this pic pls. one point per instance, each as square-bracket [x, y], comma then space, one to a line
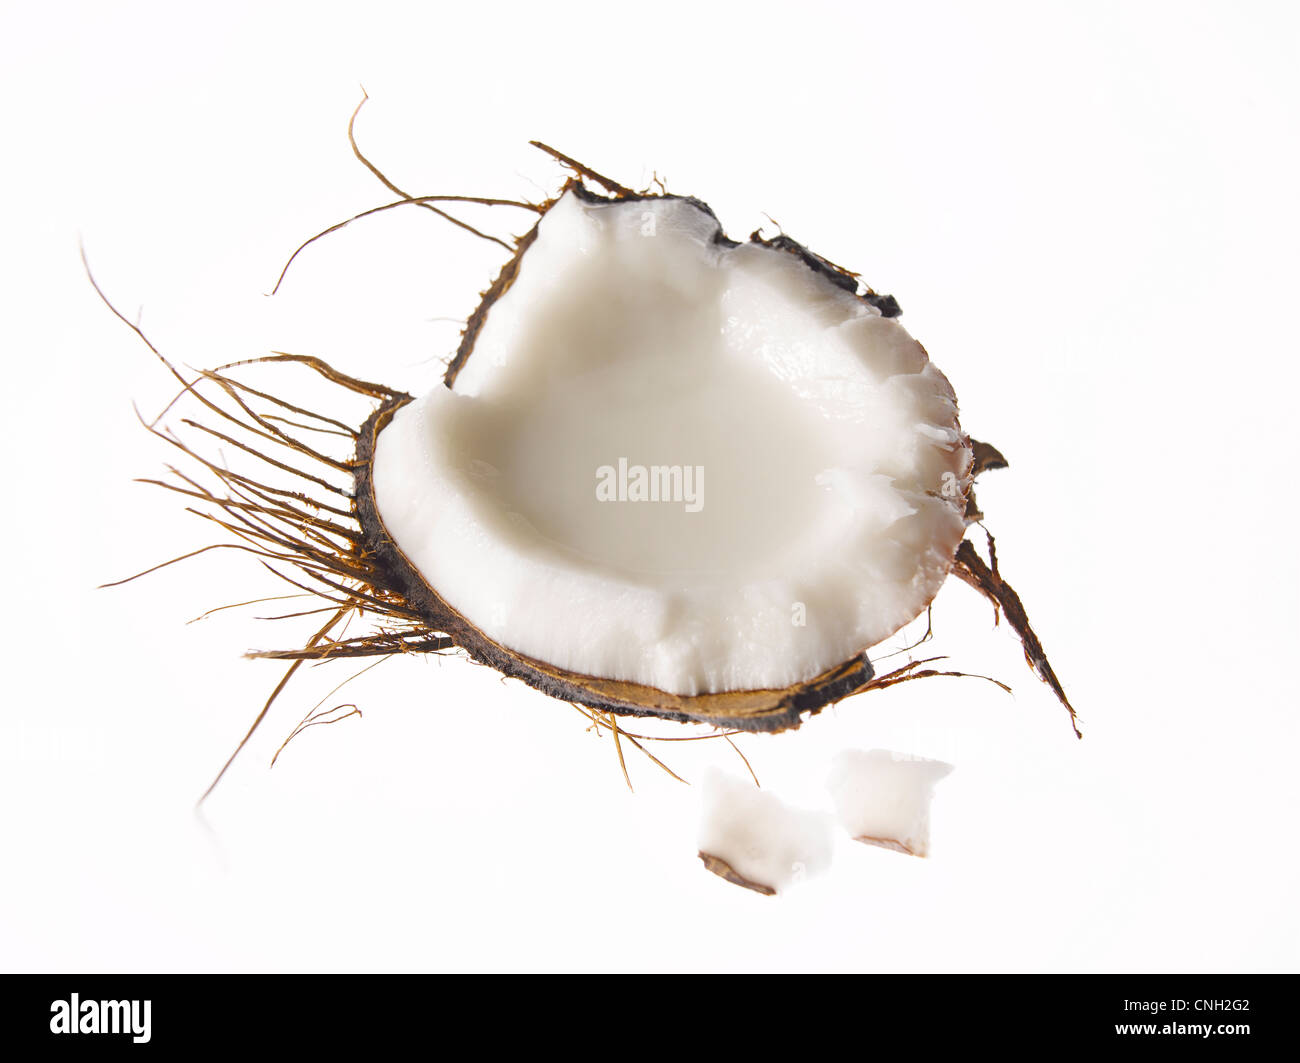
[672, 473]
[666, 474]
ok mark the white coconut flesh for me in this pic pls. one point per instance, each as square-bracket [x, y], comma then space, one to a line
[760, 839]
[673, 462]
[884, 798]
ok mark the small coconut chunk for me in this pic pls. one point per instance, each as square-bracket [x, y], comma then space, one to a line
[753, 839]
[883, 798]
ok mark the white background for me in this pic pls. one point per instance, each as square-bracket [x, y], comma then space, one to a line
[1089, 215]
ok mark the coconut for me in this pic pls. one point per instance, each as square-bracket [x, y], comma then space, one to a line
[798, 475]
[883, 798]
[666, 473]
[753, 839]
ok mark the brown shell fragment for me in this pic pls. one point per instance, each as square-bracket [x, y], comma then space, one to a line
[724, 870]
[986, 457]
[893, 844]
[985, 578]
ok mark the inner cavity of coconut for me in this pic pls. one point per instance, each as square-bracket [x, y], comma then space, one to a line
[679, 463]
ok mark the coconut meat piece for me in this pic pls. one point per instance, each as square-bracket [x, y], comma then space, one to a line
[679, 462]
[883, 798]
[753, 839]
